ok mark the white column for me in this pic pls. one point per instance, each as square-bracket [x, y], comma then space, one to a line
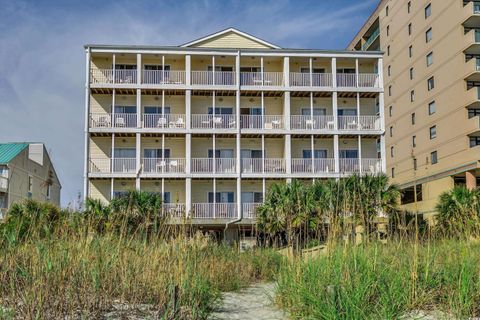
[356, 72]
[87, 124]
[163, 152]
[311, 108]
[188, 109]
[360, 154]
[163, 71]
[213, 154]
[334, 72]
[381, 110]
[163, 102]
[311, 70]
[264, 189]
[112, 183]
[336, 153]
[139, 108]
[358, 110]
[139, 69]
[286, 110]
[213, 70]
[188, 70]
[214, 197]
[263, 153]
[380, 73]
[286, 71]
[335, 110]
[312, 147]
[138, 147]
[288, 154]
[113, 67]
[262, 69]
[239, 198]
[188, 153]
[188, 196]
[112, 119]
[112, 154]
[163, 189]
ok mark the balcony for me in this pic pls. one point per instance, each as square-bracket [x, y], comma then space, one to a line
[108, 76]
[164, 121]
[163, 166]
[257, 122]
[371, 39]
[471, 14]
[259, 79]
[217, 78]
[472, 42]
[298, 122]
[117, 120]
[249, 210]
[117, 165]
[364, 80]
[214, 210]
[370, 166]
[163, 77]
[265, 166]
[312, 166]
[175, 210]
[320, 80]
[210, 121]
[359, 123]
[214, 166]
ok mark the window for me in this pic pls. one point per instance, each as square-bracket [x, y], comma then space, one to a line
[409, 29]
[30, 185]
[409, 6]
[414, 164]
[390, 91]
[433, 132]
[388, 51]
[411, 73]
[389, 70]
[431, 83]
[414, 141]
[428, 10]
[386, 11]
[429, 59]
[48, 191]
[432, 108]
[412, 96]
[393, 172]
[410, 51]
[408, 194]
[428, 35]
[392, 151]
[388, 31]
[390, 111]
[391, 131]
[473, 113]
[474, 141]
[221, 197]
[434, 157]
[413, 118]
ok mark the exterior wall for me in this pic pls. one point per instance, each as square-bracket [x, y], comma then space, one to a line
[19, 170]
[230, 40]
[451, 95]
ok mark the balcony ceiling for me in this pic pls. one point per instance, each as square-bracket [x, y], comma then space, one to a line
[472, 22]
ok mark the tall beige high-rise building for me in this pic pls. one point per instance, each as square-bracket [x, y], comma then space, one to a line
[431, 72]
[213, 123]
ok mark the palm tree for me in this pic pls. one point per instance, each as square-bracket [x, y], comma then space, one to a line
[458, 212]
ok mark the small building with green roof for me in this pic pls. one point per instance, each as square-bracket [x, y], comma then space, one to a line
[26, 172]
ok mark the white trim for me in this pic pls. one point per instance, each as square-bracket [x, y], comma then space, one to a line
[238, 32]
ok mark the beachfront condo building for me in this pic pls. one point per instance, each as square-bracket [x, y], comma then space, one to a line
[212, 123]
[432, 103]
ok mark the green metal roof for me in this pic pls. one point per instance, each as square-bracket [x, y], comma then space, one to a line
[8, 151]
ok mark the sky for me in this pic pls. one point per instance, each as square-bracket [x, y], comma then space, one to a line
[42, 58]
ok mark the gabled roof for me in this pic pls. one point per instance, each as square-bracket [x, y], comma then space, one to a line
[230, 31]
[8, 151]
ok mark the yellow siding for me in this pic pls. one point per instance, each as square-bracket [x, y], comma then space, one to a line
[274, 148]
[230, 40]
[200, 105]
[176, 103]
[100, 147]
[298, 145]
[124, 184]
[200, 189]
[297, 104]
[100, 189]
[201, 63]
[200, 146]
[176, 145]
[175, 62]
[100, 103]
[175, 187]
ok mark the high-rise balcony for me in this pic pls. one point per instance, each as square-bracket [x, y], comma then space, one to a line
[214, 210]
[109, 76]
[362, 80]
[211, 78]
[249, 210]
[370, 166]
[214, 166]
[163, 166]
[298, 122]
[313, 166]
[258, 122]
[261, 79]
[359, 123]
[163, 77]
[116, 165]
[164, 121]
[174, 210]
[320, 80]
[210, 121]
[263, 166]
[117, 120]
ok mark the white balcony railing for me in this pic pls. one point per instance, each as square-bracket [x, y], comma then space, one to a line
[359, 123]
[117, 120]
[267, 165]
[349, 166]
[261, 79]
[371, 166]
[267, 122]
[99, 165]
[108, 76]
[210, 121]
[166, 165]
[164, 121]
[124, 165]
[208, 165]
[214, 210]
[312, 122]
[164, 77]
[249, 210]
[176, 210]
[217, 78]
[365, 80]
[298, 79]
[313, 165]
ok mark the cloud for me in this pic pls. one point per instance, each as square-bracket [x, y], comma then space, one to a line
[42, 57]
